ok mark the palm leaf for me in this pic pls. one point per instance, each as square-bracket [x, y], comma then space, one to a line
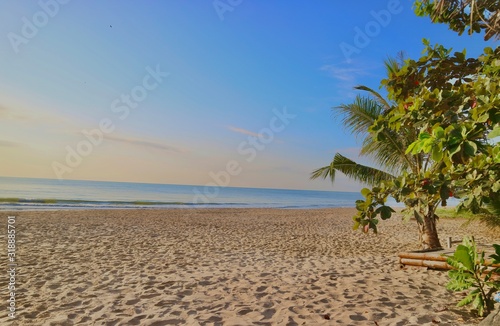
[492, 212]
[393, 65]
[382, 101]
[390, 152]
[360, 115]
[351, 169]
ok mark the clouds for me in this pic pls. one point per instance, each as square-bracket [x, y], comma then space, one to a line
[6, 143]
[243, 131]
[10, 114]
[253, 134]
[345, 74]
[348, 75]
[146, 144]
[34, 116]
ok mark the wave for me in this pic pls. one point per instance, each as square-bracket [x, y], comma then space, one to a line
[25, 204]
[13, 203]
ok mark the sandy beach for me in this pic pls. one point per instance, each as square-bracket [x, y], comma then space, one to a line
[223, 267]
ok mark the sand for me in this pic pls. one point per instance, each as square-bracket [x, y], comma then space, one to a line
[224, 267]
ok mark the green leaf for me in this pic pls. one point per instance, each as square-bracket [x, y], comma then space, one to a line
[424, 135]
[360, 205]
[411, 148]
[459, 281]
[427, 145]
[437, 153]
[385, 212]
[454, 149]
[406, 191]
[496, 186]
[478, 303]
[483, 117]
[465, 301]
[366, 192]
[470, 148]
[496, 255]
[495, 132]
[438, 132]
[454, 140]
[460, 56]
[463, 257]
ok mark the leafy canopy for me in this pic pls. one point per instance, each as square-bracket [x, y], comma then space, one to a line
[453, 104]
[461, 15]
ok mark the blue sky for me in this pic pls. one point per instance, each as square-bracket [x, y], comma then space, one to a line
[208, 79]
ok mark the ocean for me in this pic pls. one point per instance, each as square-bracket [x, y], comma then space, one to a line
[37, 194]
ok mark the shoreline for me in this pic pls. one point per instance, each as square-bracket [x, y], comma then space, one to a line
[224, 266]
[167, 208]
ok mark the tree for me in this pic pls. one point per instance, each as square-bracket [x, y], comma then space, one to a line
[474, 15]
[388, 149]
[441, 110]
[444, 111]
[477, 16]
[454, 105]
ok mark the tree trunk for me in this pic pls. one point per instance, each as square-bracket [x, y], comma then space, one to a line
[428, 232]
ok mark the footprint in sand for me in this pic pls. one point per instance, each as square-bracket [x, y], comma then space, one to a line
[136, 320]
[132, 302]
[96, 309]
[268, 313]
[244, 311]
[72, 304]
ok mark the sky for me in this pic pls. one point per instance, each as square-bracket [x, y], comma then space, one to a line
[235, 92]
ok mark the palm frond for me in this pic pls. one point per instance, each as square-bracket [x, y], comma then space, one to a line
[492, 213]
[324, 172]
[390, 152]
[360, 115]
[393, 65]
[351, 169]
[382, 101]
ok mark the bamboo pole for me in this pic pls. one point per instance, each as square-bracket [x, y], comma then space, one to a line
[425, 263]
[421, 256]
[429, 260]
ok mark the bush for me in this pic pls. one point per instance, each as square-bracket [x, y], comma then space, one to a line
[471, 271]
